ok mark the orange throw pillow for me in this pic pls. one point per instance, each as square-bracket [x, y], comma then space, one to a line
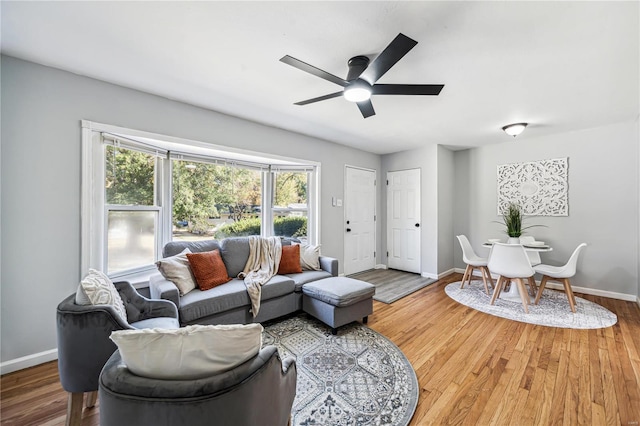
[290, 261]
[208, 268]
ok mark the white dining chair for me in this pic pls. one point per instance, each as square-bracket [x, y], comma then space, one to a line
[561, 274]
[511, 263]
[473, 262]
[534, 256]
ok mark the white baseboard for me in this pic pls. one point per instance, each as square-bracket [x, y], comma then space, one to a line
[28, 361]
[380, 266]
[438, 276]
[583, 290]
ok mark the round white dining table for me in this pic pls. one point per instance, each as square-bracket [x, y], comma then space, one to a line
[513, 295]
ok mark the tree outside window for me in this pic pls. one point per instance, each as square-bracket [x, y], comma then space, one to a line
[132, 214]
[290, 209]
[215, 201]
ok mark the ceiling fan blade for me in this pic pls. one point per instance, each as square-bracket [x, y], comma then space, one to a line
[366, 108]
[407, 89]
[296, 63]
[320, 98]
[399, 47]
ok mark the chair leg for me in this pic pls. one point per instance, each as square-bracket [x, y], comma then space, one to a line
[486, 270]
[541, 288]
[74, 409]
[466, 274]
[570, 296]
[484, 279]
[533, 288]
[497, 289]
[573, 296]
[91, 399]
[523, 294]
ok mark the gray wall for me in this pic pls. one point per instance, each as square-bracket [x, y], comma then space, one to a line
[446, 197]
[40, 174]
[425, 159]
[603, 201]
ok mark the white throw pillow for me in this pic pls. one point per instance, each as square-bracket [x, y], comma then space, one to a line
[309, 257]
[97, 289]
[177, 270]
[187, 353]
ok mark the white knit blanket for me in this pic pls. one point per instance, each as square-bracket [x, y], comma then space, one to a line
[263, 262]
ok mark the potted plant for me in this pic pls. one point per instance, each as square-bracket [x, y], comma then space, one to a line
[512, 219]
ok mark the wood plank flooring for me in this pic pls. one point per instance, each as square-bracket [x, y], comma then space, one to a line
[472, 368]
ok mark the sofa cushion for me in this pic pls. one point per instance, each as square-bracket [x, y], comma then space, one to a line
[290, 260]
[235, 253]
[157, 322]
[177, 270]
[307, 277]
[199, 304]
[175, 247]
[188, 353]
[339, 291]
[208, 268]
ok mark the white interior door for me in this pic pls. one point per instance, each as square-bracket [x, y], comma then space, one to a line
[403, 220]
[360, 220]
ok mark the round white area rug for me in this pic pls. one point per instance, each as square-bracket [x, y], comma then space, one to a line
[358, 377]
[552, 311]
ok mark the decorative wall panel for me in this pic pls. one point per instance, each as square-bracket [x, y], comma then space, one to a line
[541, 188]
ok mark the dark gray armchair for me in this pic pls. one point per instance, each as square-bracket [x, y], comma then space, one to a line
[259, 392]
[84, 345]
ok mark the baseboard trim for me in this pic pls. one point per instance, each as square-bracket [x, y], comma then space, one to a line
[380, 266]
[28, 361]
[583, 290]
[440, 275]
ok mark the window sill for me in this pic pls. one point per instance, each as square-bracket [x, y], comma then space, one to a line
[138, 279]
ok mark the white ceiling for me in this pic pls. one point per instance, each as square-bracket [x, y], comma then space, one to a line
[560, 66]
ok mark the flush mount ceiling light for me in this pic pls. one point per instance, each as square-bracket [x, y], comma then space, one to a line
[514, 129]
[358, 91]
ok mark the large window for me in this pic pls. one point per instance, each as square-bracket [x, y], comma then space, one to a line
[290, 204]
[215, 201]
[132, 213]
[141, 191]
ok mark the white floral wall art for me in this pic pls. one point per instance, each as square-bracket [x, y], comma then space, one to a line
[541, 187]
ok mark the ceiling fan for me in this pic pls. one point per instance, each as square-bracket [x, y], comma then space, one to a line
[361, 79]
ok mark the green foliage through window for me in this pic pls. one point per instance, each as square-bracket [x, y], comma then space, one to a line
[129, 177]
[203, 191]
[293, 226]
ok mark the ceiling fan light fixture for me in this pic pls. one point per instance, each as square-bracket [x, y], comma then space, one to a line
[514, 129]
[357, 91]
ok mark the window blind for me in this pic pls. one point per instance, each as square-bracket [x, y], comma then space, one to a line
[123, 142]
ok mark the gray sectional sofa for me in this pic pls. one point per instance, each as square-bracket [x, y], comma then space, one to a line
[229, 303]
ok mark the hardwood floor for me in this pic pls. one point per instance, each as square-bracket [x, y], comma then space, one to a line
[473, 368]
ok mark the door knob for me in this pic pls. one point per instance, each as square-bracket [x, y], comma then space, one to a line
[417, 225]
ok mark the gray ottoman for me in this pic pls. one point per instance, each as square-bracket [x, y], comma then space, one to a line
[337, 301]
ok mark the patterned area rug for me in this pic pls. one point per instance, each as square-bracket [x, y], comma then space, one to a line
[552, 311]
[357, 377]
